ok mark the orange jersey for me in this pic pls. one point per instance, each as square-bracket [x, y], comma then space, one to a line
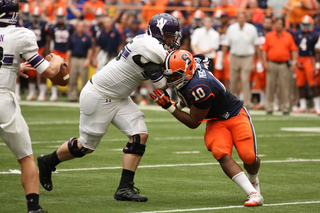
[51, 9]
[238, 131]
[295, 16]
[229, 9]
[279, 47]
[90, 7]
[148, 11]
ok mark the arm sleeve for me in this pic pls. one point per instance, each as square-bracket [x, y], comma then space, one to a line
[29, 52]
[36, 60]
[158, 80]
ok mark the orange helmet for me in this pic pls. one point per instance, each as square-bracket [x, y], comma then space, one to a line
[199, 14]
[36, 11]
[179, 68]
[177, 14]
[60, 11]
[306, 24]
[25, 8]
[100, 11]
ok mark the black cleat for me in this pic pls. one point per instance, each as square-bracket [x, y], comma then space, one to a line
[45, 173]
[38, 211]
[130, 193]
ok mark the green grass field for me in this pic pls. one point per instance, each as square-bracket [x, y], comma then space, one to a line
[177, 173]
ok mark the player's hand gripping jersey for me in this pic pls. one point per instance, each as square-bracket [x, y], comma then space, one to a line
[138, 61]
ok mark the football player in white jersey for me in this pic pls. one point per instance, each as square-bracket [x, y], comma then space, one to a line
[16, 43]
[105, 100]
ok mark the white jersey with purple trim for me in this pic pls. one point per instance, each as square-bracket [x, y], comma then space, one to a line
[121, 76]
[16, 43]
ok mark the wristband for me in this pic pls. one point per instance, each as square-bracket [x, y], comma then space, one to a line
[171, 109]
[179, 107]
[317, 65]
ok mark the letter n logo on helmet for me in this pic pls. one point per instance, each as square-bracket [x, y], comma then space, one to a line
[161, 23]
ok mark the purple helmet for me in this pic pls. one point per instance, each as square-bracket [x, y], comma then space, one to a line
[9, 10]
[163, 24]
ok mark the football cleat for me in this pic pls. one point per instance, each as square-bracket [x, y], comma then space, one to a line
[38, 211]
[30, 97]
[53, 98]
[143, 102]
[257, 107]
[41, 97]
[300, 110]
[45, 172]
[254, 199]
[130, 193]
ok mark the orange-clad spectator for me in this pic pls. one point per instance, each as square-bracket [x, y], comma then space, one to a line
[240, 4]
[52, 8]
[225, 7]
[278, 49]
[257, 13]
[297, 9]
[152, 8]
[90, 7]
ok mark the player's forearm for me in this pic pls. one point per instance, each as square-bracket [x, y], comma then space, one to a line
[186, 119]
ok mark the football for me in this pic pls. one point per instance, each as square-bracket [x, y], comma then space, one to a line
[62, 78]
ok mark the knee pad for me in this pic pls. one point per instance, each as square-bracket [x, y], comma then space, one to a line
[218, 154]
[248, 158]
[135, 147]
[74, 149]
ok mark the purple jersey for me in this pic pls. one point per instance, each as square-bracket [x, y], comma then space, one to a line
[205, 91]
[306, 42]
[60, 36]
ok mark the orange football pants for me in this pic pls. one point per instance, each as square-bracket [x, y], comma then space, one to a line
[306, 74]
[221, 135]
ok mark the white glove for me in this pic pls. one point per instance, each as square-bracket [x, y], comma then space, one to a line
[259, 67]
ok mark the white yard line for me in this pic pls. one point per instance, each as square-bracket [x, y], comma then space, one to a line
[186, 138]
[230, 207]
[170, 165]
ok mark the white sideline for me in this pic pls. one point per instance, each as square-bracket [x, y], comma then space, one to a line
[230, 207]
[169, 165]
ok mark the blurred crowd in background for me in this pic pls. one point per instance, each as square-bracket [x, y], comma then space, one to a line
[90, 33]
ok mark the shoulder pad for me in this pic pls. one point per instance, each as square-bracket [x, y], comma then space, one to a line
[153, 51]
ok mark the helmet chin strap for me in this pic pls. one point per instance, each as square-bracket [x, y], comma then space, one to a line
[3, 14]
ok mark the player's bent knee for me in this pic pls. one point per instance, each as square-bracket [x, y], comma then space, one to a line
[135, 147]
[218, 154]
[75, 150]
[249, 158]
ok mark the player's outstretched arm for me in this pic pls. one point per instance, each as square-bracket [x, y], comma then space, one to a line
[192, 120]
[54, 66]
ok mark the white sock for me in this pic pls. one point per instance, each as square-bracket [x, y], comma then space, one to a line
[261, 103]
[43, 88]
[303, 103]
[244, 183]
[252, 178]
[17, 88]
[54, 90]
[144, 92]
[32, 88]
[316, 101]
